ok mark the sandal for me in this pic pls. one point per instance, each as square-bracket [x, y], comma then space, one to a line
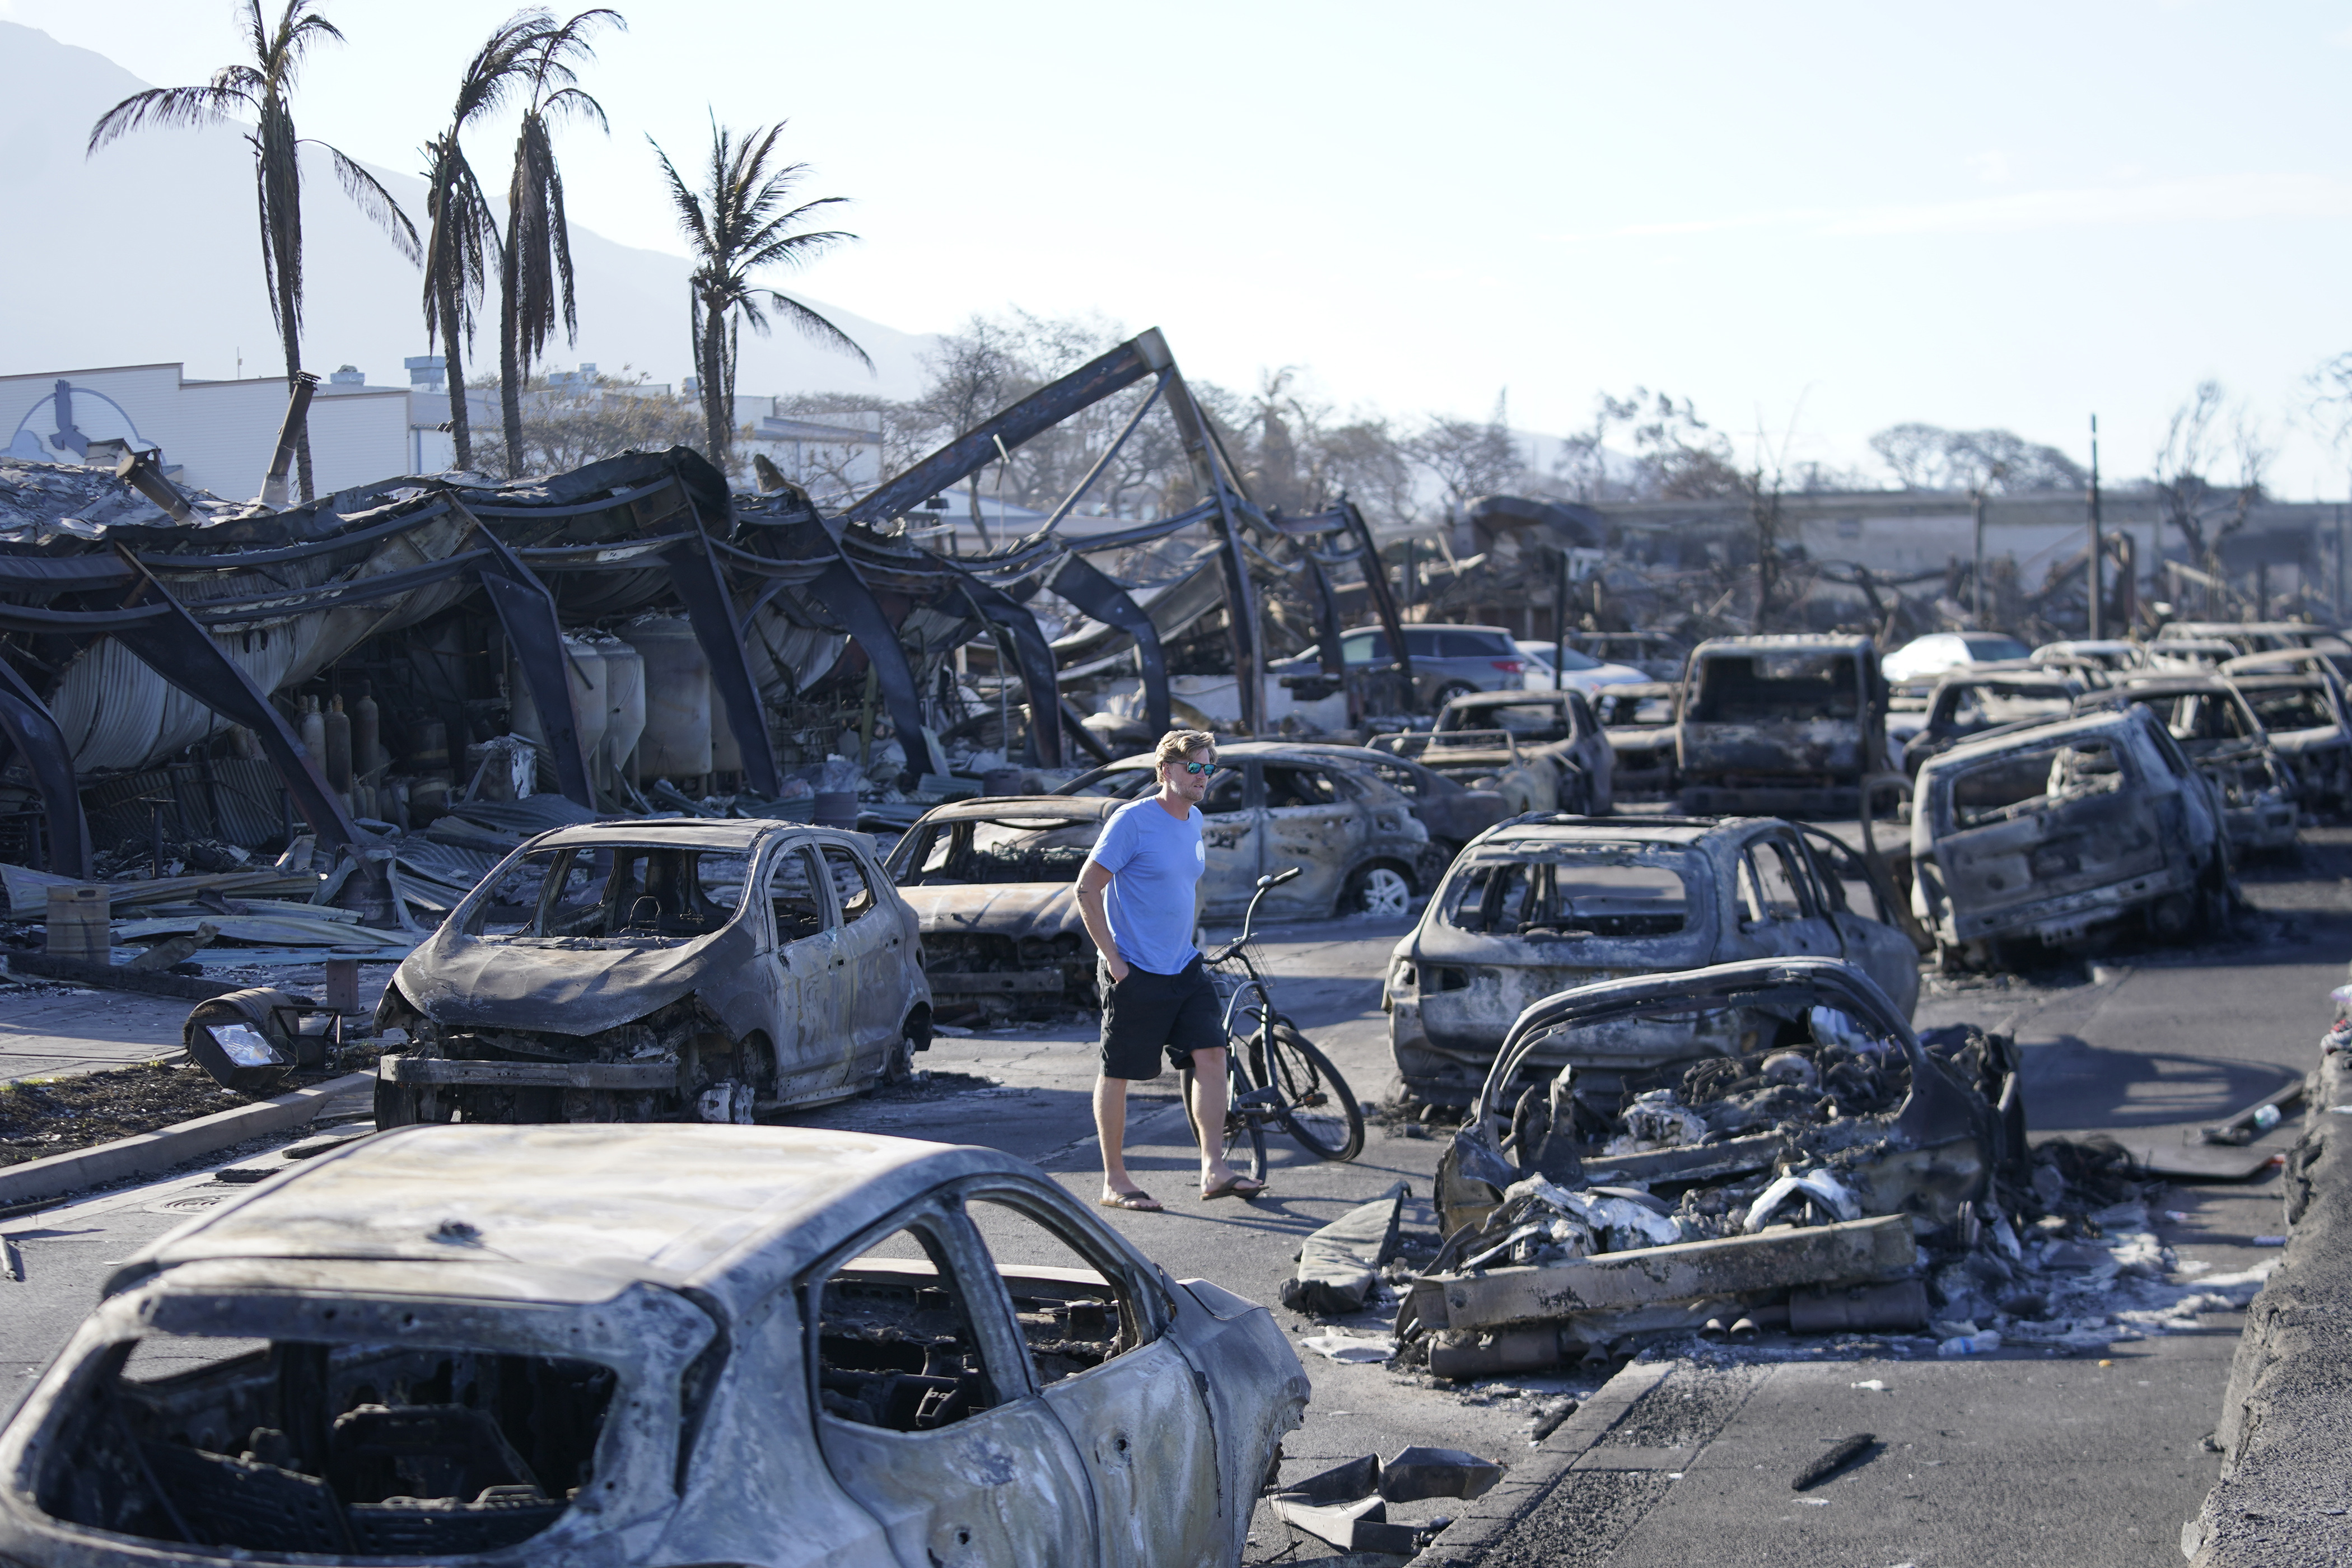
[1236, 1187]
[1136, 1202]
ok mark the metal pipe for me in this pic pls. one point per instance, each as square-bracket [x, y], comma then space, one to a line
[2098, 585]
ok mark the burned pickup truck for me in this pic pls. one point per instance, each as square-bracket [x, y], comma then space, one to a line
[1788, 726]
[1747, 1141]
[657, 1346]
[642, 971]
[1541, 905]
[2047, 833]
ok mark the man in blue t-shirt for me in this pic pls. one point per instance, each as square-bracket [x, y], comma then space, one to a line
[1155, 995]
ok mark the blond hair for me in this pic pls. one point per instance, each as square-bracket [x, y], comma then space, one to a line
[1176, 742]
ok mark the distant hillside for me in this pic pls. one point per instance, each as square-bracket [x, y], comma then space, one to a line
[148, 253]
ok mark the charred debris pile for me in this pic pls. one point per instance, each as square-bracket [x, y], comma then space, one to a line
[1827, 1171]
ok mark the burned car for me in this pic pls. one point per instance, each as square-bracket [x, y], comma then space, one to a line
[1639, 722]
[652, 971]
[2220, 735]
[1453, 812]
[1787, 724]
[2300, 704]
[1557, 725]
[2047, 833]
[651, 1346]
[1652, 1153]
[1489, 760]
[994, 884]
[1542, 905]
[1272, 807]
[1973, 699]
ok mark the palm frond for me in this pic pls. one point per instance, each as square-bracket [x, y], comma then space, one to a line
[688, 205]
[374, 202]
[816, 329]
[573, 103]
[166, 106]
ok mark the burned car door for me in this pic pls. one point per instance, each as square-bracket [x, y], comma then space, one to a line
[1120, 1387]
[1312, 823]
[924, 1409]
[813, 1014]
[1778, 909]
[1233, 840]
[869, 940]
[1873, 927]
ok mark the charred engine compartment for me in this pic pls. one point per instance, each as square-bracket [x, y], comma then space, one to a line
[676, 1064]
[997, 977]
[371, 1450]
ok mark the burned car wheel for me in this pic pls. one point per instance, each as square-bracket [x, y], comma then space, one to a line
[1378, 890]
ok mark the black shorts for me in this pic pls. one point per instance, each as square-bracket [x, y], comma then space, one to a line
[1145, 1013]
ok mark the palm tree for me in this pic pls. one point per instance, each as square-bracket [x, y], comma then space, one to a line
[739, 223]
[262, 89]
[535, 267]
[461, 246]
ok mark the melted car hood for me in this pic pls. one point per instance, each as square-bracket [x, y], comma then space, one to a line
[996, 909]
[563, 990]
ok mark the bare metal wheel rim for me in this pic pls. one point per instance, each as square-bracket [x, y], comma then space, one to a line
[1384, 891]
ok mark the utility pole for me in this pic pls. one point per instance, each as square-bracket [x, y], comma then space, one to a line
[1976, 581]
[1559, 627]
[2097, 568]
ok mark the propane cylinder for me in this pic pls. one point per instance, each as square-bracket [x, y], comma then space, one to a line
[676, 741]
[338, 727]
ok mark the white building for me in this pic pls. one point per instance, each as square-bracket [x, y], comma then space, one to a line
[216, 435]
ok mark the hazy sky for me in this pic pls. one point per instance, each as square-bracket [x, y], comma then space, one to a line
[1814, 219]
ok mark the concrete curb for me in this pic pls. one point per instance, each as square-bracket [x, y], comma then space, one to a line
[1475, 1532]
[149, 1154]
[2287, 1422]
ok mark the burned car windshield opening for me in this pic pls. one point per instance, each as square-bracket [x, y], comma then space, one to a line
[1600, 895]
[618, 892]
[1009, 849]
[1745, 686]
[2020, 782]
[354, 1449]
[1526, 720]
[2293, 707]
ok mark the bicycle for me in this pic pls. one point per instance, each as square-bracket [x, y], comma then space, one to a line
[1275, 1074]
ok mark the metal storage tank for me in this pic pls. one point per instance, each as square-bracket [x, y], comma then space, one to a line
[584, 675]
[624, 703]
[676, 741]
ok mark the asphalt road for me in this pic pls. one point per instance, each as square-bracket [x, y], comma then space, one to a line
[2022, 1457]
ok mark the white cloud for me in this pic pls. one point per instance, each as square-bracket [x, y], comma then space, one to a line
[1990, 166]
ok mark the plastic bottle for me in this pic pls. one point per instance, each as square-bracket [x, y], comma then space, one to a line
[2266, 1117]
[1979, 1343]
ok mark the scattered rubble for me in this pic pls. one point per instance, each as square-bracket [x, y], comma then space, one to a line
[56, 1116]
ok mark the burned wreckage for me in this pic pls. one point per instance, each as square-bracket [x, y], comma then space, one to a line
[658, 1346]
[1787, 1165]
[386, 664]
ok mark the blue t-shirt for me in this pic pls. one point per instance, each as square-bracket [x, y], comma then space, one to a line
[1154, 861]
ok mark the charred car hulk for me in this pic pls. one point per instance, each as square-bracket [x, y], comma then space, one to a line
[660, 972]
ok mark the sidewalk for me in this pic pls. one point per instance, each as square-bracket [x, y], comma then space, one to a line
[46, 1033]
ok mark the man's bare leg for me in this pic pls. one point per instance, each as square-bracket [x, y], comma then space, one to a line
[1209, 1116]
[1110, 1129]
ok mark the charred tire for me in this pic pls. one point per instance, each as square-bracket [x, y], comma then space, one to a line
[899, 1061]
[1321, 1111]
[1377, 890]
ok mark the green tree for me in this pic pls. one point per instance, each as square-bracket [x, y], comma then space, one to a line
[262, 89]
[461, 246]
[535, 263]
[739, 223]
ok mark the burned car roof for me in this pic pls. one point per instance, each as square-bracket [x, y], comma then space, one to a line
[1557, 828]
[672, 1203]
[2027, 734]
[1028, 807]
[691, 832]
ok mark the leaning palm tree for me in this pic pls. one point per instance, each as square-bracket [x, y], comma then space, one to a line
[738, 225]
[262, 89]
[535, 267]
[461, 246]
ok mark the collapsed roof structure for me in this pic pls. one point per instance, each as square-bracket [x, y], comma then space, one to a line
[133, 629]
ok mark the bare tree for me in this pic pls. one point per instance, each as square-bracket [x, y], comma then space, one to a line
[1468, 459]
[1930, 458]
[2204, 434]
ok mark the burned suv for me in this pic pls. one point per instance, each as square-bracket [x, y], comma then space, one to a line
[660, 972]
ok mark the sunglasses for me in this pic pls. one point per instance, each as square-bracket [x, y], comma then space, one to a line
[1202, 769]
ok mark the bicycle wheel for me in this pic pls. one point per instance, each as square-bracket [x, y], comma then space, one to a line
[1319, 1109]
[1244, 1141]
